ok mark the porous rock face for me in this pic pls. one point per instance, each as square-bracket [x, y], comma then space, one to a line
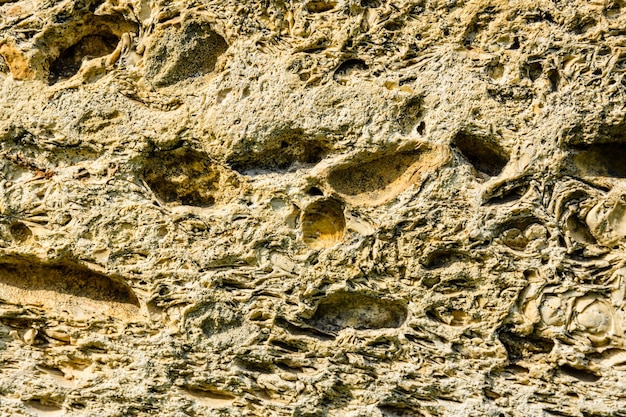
[312, 208]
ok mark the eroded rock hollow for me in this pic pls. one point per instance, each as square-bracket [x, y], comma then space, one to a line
[312, 208]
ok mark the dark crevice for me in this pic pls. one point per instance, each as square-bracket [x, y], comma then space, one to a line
[533, 70]
[602, 159]
[71, 59]
[520, 347]
[583, 375]
[507, 193]
[555, 79]
[483, 153]
[349, 68]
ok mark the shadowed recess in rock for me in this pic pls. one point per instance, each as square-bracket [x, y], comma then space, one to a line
[349, 68]
[378, 178]
[323, 224]
[484, 154]
[20, 232]
[399, 410]
[518, 232]
[320, 6]
[89, 47]
[279, 152]
[208, 396]
[583, 375]
[66, 288]
[178, 53]
[359, 311]
[521, 347]
[184, 176]
[601, 160]
[4, 67]
[507, 192]
[444, 257]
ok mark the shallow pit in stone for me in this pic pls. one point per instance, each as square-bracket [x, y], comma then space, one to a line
[377, 178]
[186, 176]
[211, 397]
[357, 310]
[66, 288]
[323, 223]
[279, 152]
[20, 232]
[320, 6]
[180, 52]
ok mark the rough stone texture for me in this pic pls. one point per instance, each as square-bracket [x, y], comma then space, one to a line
[312, 208]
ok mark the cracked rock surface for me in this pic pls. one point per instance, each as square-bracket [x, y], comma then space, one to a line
[312, 208]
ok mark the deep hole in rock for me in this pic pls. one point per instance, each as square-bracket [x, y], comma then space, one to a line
[89, 47]
[533, 70]
[602, 159]
[555, 79]
[421, 128]
[323, 223]
[178, 53]
[484, 154]
[314, 191]
[67, 287]
[183, 176]
[358, 310]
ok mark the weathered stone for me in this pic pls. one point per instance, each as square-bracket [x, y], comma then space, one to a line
[312, 208]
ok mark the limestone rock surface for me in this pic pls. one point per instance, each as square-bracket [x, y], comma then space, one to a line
[312, 208]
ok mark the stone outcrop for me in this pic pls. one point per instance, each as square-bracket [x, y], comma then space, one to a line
[312, 208]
